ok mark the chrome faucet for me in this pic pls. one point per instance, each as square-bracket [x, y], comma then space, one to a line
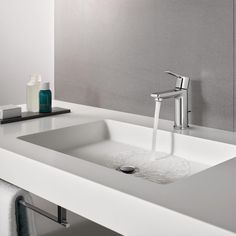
[180, 94]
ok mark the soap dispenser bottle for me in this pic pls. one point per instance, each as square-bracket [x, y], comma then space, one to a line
[45, 98]
[32, 93]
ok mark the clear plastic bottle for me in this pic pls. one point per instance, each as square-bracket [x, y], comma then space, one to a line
[32, 93]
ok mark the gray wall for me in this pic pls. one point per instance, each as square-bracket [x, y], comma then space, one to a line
[26, 46]
[112, 54]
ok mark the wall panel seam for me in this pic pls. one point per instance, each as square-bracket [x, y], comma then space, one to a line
[234, 66]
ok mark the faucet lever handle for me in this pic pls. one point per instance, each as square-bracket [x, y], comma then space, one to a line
[182, 82]
[173, 74]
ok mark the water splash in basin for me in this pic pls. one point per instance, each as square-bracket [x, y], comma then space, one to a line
[163, 169]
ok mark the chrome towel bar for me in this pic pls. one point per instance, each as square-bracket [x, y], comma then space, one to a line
[61, 217]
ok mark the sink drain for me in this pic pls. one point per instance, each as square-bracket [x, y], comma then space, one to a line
[127, 169]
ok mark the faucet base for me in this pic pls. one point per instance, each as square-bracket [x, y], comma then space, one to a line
[181, 127]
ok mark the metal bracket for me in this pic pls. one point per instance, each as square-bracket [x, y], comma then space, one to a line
[61, 217]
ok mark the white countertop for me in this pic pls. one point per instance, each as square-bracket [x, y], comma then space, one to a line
[203, 204]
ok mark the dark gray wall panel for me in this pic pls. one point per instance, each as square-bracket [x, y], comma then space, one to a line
[113, 54]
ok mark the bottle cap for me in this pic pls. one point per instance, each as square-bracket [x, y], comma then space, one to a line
[45, 86]
[38, 78]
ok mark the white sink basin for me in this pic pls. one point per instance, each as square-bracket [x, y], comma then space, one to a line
[113, 144]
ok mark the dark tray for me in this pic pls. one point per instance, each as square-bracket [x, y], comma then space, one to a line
[34, 115]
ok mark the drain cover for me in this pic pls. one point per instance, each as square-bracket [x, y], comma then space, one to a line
[127, 169]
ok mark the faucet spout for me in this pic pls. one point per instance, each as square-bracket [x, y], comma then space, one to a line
[159, 96]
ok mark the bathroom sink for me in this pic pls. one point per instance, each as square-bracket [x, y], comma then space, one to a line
[126, 148]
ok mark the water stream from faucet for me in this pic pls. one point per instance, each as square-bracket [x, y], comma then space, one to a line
[155, 126]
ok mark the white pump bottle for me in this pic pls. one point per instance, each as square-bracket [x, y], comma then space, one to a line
[32, 93]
